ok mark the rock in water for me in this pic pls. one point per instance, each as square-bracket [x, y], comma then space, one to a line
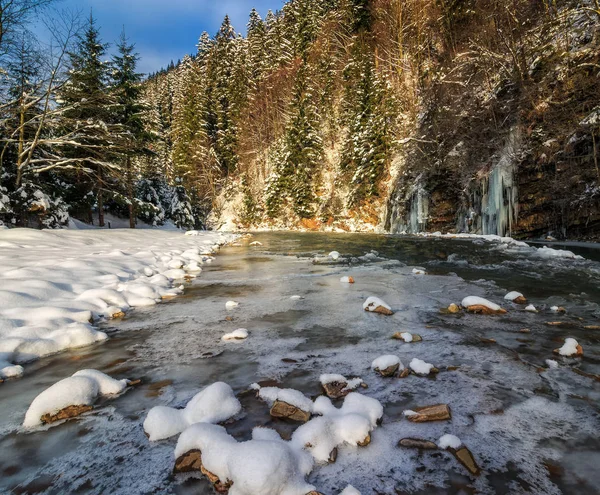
[453, 308]
[66, 413]
[417, 443]
[439, 412]
[465, 457]
[281, 409]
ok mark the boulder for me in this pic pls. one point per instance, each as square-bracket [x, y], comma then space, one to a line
[281, 409]
[417, 443]
[376, 305]
[480, 309]
[66, 413]
[439, 412]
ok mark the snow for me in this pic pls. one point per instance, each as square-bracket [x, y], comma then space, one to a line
[293, 397]
[479, 301]
[407, 337]
[548, 253]
[408, 413]
[346, 280]
[350, 424]
[349, 490]
[531, 308]
[449, 442]
[239, 334]
[63, 281]
[214, 404]
[231, 305]
[296, 298]
[551, 364]
[511, 296]
[334, 255]
[420, 367]
[417, 271]
[386, 361]
[256, 243]
[372, 303]
[569, 348]
[351, 384]
[265, 464]
[81, 389]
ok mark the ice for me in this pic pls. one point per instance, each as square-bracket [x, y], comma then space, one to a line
[420, 367]
[81, 389]
[214, 404]
[291, 396]
[511, 296]
[449, 442]
[548, 253]
[479, 301]
[372, 303]
[569, 348]
[239, 334]
[386, 361]
[265, 464]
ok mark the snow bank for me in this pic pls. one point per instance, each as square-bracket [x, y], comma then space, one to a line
[239, 334]
[214, 404]
[351, 424]
[265, 464]
[81, 389]
[479, 301]
[63, 281]
[449, 442]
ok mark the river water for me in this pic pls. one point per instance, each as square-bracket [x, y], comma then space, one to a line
[531, 429]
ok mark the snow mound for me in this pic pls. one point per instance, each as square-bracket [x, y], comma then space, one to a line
[289, 395]
[351, 425]
[569, 348]
[214, 404]
[420, 367]
[266, 464]
[449, 442]
[479, 301]
[81, 389]
[239, 334]
[385, 362]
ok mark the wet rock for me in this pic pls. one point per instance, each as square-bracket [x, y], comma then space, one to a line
[452, 368]
[188, 462]
[417, 443]
[404, 373]
[284, 410]
[487, 341]
[66, 413]
[524, 330]
[592, 327]
[465, 457]
[453, 309]
[438, 412]
[520, 300]
[220, 486]
[118, 314]
[480, 309]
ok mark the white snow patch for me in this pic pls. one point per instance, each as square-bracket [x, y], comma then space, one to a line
[420, 367]
[349, 490]
[531, 308]
[334, 255]
[386, 361]
[552, 364]
[569, 348]
[406, 337]
[351, 384]
[239, 334]
[231, 305]
[345, 280]
[214, 404]
[417, 271]
[449, 442]
[372, 303]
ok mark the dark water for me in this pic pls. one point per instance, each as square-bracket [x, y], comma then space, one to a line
[532, 430]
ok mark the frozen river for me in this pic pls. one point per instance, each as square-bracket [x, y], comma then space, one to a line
[531, 429]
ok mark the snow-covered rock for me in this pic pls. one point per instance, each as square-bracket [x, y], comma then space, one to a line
[570, 348]
[376, 305]
[239, 334]
[349, 490]
[231, 305]
[531, 309]
[81, 389]
[347, 280]
[334, 255]
[420, 367]
[288, 395]
[214, 404]
[418, 271]
[515, 297]
[475, 304]
[387, 365]
[337, 386]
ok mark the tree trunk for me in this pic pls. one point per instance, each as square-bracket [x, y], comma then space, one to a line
[130, 194]
[21, 143]
[100, 201]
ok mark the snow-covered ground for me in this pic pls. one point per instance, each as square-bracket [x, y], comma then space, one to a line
[55, 285]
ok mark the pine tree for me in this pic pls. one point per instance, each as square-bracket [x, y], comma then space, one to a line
[128, 113]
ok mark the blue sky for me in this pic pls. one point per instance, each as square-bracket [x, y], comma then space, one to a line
[165, 30]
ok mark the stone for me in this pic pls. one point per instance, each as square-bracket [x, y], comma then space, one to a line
[188, 462]
[365, 442]
[578, 353]
[465, 457]
[390, 371]
[520, 300]
[281, 409]
[480, 309]
[525, 330]
[118, 314]
[405, 372]
[487, 341]
[417, 443]
[415, 337]
[453, 308]
[66, 413]
[439, 412]
[333, 455]
[336, 390]
[382, 310]
[592, 327]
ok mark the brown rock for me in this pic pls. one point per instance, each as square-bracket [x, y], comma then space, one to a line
[118, 314]
[520, 300]
[592, 327]
[524, 330]
[465, 457]
[404, 373]
[415, 337]
[453, 308]
[190, 461]
[333, 455]
[282, 409]
[336, 390]
[388, 371]
[365, 442]
[439, 412]
[558, 323]
[417, 443]
[382, 310]
[452, 368]
[66, 413]
[480, 309]
[578, 353]
[350, 280]
[488, 341]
